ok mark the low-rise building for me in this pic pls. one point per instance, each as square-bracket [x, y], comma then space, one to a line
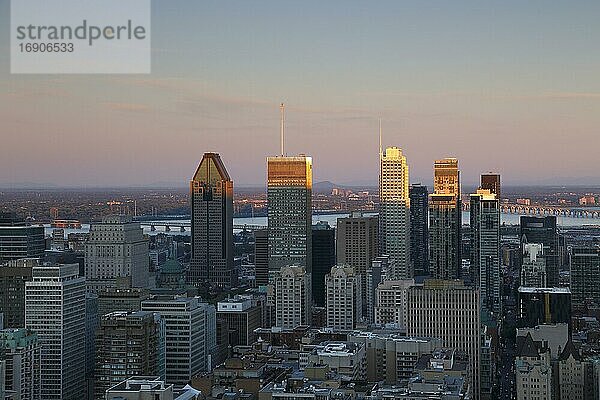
[441, 375]
[344, 358]
[149, 388]
[533, 370]
[248, 375]
[242, 318]
[392, 357]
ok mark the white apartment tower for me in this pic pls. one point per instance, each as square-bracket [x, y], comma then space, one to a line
[292, 297]
[55, 310]
[390, 302]
[185, 324]
[116, 247]
[394, 212]
[343, 298]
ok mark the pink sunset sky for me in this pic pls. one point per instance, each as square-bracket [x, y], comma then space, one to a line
[513, 89]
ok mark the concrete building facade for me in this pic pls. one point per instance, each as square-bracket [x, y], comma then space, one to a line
[21, 352]
[344, 298]
[55, 310]
[292, 297]
[116, 247]
[450, 311]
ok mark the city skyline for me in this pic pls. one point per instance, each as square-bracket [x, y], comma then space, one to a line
[389, 200]
[444, 78]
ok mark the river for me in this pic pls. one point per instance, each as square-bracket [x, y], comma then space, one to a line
[508, 219]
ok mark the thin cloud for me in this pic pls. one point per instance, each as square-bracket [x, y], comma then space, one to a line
[489, 95]
[570, 95]
[129, 107]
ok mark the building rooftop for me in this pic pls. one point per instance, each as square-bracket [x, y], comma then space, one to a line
[171, 266]
[527, 347]
[337, 349]
[555, 290]
[390, 336]
[141, 383]
[13, 338]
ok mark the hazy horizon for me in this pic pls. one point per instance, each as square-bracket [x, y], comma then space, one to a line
[168, 186]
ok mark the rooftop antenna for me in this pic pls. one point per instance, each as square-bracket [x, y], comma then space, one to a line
[282, 108]
[380, 146]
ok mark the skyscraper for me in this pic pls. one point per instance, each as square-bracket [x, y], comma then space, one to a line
[211, 197]
[13, 277]
[485, 249]
[445, 220]
[289, 200]
[585, 276]
[139, 335]
[491, 182]
[323, 258]
[344, 299]
[261, 257]
[116, 248]
[450, 311]
[292, 297]
[122, 297]
[18, 239]
[55, 310]
[358, 245]
[543, 230]
[92, 322]
[394, 212]
[446, 177]
[21, 351]
[419, 229]
[185, 323]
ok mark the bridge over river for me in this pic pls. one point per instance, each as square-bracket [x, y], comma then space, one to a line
[539, 210]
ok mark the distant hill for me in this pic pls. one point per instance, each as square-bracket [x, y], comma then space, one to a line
[325, 187]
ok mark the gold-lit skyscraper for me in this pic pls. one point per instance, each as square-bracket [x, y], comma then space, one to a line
[289, 199]
[211, 196]
[445, 220]
[394, 212]
[446, 177]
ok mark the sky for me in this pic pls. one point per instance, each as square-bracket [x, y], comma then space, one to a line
[505, 86]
